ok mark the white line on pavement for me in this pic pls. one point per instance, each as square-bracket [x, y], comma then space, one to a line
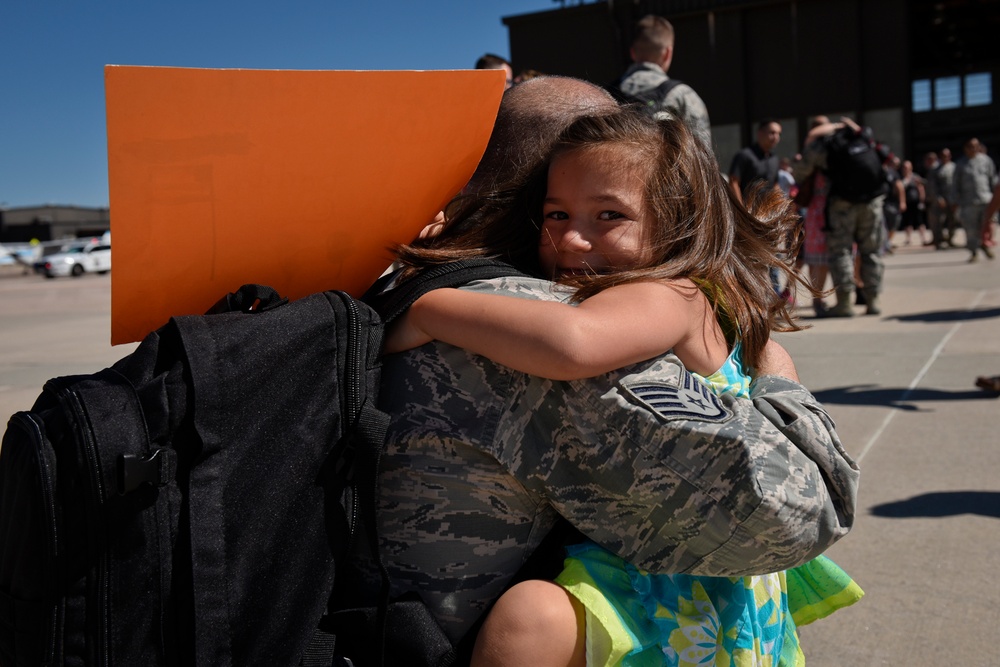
[916, 380]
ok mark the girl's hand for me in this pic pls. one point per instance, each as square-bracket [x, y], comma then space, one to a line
[435, 227]
[776, 361]
[404, 335]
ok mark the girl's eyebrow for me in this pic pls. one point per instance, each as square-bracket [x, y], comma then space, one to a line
[602, 198]
[608, 198]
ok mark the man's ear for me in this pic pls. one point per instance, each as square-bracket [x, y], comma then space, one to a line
[666, 57]
[631, 53]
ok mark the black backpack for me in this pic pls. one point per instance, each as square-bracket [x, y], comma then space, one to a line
[648, 100]
[855, 165]
[190, 504]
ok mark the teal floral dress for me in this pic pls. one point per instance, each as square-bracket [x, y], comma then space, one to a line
[638, 619]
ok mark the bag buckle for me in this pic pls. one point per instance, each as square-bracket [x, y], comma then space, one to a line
[132, 471]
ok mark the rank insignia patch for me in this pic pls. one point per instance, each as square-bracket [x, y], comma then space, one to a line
[690, 400]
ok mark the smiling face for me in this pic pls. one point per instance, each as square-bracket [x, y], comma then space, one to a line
[594, 213]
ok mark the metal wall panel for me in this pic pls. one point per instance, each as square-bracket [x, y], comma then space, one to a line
[791, 59]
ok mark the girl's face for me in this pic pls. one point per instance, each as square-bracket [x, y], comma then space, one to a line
[594, 215]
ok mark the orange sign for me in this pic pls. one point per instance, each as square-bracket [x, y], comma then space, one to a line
[299, 180]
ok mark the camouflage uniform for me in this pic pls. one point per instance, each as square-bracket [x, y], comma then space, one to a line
[681, 102]
[974, 181]
[944, 187]
[850, 224]
[646, 461]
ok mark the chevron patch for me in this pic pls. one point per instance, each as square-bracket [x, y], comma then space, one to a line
[691, 400]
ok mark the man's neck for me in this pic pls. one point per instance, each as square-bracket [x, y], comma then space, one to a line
[650, 64]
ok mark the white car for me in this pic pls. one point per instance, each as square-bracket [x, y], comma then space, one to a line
[77, 260]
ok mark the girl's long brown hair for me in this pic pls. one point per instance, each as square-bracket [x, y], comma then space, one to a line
[701, 231]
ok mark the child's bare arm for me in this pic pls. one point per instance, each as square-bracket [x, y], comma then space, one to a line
[617, 327]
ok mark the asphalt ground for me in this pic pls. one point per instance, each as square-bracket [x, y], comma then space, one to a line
[926, 543]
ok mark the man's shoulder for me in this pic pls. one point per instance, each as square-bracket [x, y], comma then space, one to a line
[750, 154]
[645, 69]
[641, 77]
[985, 162]
[683, 96]
[685, 102]
[681, 89]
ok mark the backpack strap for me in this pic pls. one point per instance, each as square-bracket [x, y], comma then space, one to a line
[649, 99]
[391, 303]
[664, 88]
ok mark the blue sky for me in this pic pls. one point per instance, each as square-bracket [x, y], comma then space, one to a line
[52, 54]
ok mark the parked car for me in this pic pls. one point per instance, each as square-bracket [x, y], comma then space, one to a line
[77, 259]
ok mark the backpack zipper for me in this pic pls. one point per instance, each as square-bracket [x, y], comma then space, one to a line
[355, 361]
[353, 352]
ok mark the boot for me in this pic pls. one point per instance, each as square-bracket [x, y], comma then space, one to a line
[871, 298]
[843, 307]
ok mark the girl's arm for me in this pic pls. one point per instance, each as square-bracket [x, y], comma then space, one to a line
[616, 327]
[776, 361]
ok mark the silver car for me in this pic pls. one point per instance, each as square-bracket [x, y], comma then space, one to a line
[77, 260]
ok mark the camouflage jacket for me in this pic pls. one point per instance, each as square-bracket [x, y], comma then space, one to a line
[681, 102]
[974, 180]
[645, 461]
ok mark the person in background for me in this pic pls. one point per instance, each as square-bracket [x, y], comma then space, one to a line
[934, 219]
[895, 201]
[786, 181]
[944, 203]
[812, 199]
[756, 166]
[493, 61]
[757, 163]
[854, 219]
[975, 178]
[652, 52]
[914, 197]
[526, 75]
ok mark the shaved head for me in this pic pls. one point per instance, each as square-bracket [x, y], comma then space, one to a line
[532, 115]
[654, 35]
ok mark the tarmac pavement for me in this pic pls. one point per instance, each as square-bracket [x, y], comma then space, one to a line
[900, 386]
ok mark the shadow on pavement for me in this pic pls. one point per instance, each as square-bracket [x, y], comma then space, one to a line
[949, 316]
[902, 399]
[942, 503]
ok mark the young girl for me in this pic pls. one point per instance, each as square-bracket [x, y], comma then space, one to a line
[635, 217]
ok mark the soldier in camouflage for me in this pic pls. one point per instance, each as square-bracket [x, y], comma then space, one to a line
[481, 460]
[652, 52]
[975, 178]
[645, 461]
